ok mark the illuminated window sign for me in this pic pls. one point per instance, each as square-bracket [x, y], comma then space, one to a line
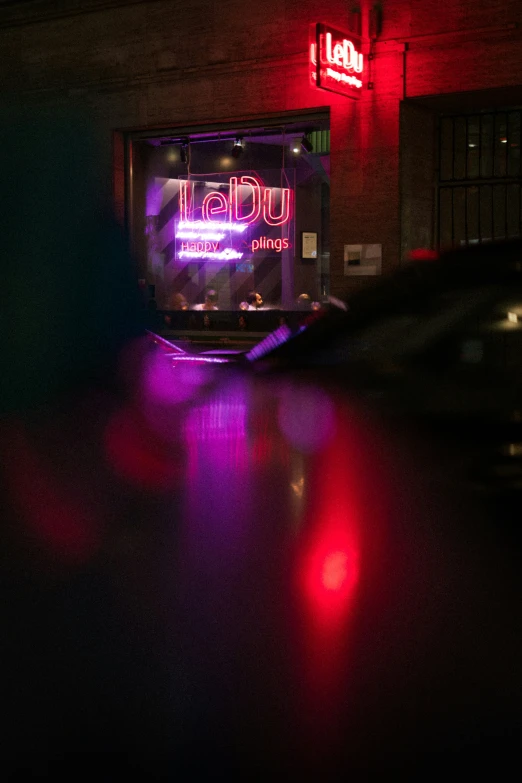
[336, 61]
[231, 221]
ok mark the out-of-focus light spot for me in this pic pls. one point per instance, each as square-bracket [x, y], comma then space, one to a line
[331, 575]
[512, 317]
[52, 510]
[166, 382]
[297, 487]
[136, 454]
[423, 254]
[335, 571]
[219, 419]
[306, 417]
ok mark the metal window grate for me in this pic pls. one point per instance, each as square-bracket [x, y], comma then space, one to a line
[480, 178]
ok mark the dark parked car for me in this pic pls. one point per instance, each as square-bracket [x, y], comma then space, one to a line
[439, 344]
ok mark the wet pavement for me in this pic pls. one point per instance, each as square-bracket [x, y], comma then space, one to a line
[250, 575]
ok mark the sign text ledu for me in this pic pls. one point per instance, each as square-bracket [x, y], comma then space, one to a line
[336, 61]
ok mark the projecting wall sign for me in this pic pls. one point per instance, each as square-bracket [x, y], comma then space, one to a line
[336, 61]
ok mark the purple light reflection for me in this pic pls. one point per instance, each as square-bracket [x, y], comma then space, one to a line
[165, 344]
[198, 359]
[269, 343]
[168, 382]
[164, 382]
[306, 417]
[216, 420]
[218, 477]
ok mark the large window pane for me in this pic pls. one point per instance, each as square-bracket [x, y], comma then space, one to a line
[486, 213]
[486, 149]
[227, 211]
[445, 217]
[514, 140]
[500, 167]
[486, 146]
[473, 215]
[513, 210]
[499, 211]
[446, 148]
[459, 216]
[459, 148]
[473, 166]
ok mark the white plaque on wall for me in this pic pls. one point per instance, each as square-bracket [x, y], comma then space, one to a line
[308, 244]
[360, 260]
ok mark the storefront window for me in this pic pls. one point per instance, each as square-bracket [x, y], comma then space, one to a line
[233, 211]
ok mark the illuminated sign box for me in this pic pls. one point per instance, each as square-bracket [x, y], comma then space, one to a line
[336, 61]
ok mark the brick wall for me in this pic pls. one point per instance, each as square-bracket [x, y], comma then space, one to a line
[139, 64]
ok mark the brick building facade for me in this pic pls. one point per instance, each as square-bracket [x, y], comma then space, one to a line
[142, 66]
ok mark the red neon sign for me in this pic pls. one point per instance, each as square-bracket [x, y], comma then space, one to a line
[224, 225]
[236, 211]
[218, 204]
[336, 61]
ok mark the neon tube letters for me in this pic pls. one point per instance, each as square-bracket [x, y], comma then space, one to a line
[336, 62]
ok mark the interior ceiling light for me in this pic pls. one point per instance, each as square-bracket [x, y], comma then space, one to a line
[237, 149]
[306, 144]
[296, 146]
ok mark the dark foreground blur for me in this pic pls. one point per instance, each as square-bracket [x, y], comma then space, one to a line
[245, 574]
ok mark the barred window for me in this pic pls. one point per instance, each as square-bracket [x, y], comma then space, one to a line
[480, 178]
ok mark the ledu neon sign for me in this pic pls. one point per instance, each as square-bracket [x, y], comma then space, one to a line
[336, 61]
[216, 230]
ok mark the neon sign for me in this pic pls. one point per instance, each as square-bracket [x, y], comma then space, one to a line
[233, 205]
[218, 226]
[336, 62]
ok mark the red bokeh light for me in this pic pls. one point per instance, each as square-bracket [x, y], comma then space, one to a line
[329, 566]
[48, 503]
[331, 573]
[136, 454]
[335, 571]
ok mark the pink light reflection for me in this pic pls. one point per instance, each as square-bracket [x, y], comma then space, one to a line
[198, 360]
[216, 420]
[171, 380]
[329, 568]
[217, 482]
